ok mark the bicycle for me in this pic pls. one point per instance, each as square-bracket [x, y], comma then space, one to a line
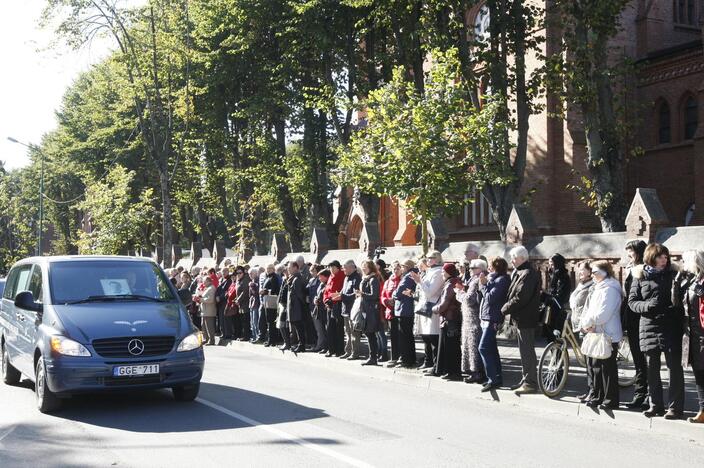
[554, 364]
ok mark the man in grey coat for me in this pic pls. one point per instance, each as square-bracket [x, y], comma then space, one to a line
[523, 306]
[296, 305]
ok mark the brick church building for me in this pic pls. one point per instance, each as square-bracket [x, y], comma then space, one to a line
[664, 39]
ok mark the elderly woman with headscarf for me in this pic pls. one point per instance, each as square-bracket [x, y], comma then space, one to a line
[447, 363]
[471, 324]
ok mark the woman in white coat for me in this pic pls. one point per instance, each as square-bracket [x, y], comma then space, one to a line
[603, 315]
[430, 285]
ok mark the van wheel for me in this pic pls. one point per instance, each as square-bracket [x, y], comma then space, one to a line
[10, 375]
[47, 402]
[186, 392]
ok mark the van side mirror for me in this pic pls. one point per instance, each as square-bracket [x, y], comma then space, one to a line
[25, 301]
[185, 296]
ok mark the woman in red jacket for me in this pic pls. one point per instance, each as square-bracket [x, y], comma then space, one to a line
[387, 302]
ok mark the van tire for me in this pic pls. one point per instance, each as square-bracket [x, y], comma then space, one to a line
[186, 392]
[10, 375]
[47, 402]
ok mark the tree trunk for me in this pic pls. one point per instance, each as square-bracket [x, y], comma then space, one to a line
[291, 223]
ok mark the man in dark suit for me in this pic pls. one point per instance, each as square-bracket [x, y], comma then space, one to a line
[296, 305]
[523, 306]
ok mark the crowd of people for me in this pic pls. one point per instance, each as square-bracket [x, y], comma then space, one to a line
[457, 309]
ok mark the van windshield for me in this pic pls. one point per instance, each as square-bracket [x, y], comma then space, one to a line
[87, 281]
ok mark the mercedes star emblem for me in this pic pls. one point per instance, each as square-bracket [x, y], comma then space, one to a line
[135, 347]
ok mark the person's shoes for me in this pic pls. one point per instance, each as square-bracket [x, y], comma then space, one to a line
[584, 397]
[473, 378]
[406, 366]
[652, 412]
[517, 386]
[608, 407]
[673, 414]
[323, 351]
[638, 402]
[345, 356]
[353, 358]
[329, 354]
[593, 403]
[266, 345]
[370, 362]
[487, 387]
[299, 349]
[698, 419]
[525, 389]
[431, 373]
[285, 347]
[384, 356]
[425, 366]
[315, 350]
[452, 377]
[391, 363]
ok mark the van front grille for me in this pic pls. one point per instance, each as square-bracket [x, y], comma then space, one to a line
[120, 347]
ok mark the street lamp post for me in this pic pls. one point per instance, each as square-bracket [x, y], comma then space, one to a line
[34, 147]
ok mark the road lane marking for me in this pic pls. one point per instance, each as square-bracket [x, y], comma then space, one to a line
[285, 435]
[5, 434]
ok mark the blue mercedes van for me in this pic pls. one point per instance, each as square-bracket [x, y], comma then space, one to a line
[79, 324]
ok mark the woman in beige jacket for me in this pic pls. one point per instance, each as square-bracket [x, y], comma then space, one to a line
[208, 310]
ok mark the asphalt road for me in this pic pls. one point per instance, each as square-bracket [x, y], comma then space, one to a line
[257, 410]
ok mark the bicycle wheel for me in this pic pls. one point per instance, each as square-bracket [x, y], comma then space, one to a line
[624, 360]
[553, 368]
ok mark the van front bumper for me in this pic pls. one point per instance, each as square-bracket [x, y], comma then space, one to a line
[68, 375]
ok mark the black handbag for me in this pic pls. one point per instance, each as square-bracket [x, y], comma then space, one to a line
[426, 310]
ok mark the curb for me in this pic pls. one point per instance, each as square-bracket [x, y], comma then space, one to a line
[566, 406]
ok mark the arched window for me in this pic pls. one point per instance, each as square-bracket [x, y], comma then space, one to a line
[663, 124]
[685, 12]
[691, 118]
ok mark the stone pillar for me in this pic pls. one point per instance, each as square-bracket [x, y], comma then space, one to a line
[218, 251]
[280, 247]
[176, 254]
[645, 216]
[369, 239]
[319, 242]
[520, 226]
[158, 256]
[438, 239]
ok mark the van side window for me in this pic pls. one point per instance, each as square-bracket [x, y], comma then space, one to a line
[35, 283]
[17, 281]
[10, 284]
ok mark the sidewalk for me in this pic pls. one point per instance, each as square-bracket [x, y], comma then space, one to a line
[567, 404]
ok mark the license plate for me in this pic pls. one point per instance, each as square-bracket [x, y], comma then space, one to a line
[130, 371]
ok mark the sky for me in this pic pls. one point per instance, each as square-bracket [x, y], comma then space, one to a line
[33, 77]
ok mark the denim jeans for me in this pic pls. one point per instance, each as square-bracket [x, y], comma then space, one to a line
[383, 341]
[489, 351]
[254, 322]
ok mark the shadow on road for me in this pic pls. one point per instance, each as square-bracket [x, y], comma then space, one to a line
[157, 412]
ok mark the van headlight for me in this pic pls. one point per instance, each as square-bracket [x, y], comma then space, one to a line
[191, 342]
[66, 347]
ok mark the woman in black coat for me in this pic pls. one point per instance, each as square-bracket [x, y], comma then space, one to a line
[559, 288]
[694, 306]
[369, 291]
[656, 297]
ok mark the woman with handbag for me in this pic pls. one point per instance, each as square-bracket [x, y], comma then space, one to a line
[601, 321]
[447, 363]
[369, 322]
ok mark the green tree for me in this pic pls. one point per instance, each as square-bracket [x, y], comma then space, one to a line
[115, 218]
[428, 149]
[590, 75]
